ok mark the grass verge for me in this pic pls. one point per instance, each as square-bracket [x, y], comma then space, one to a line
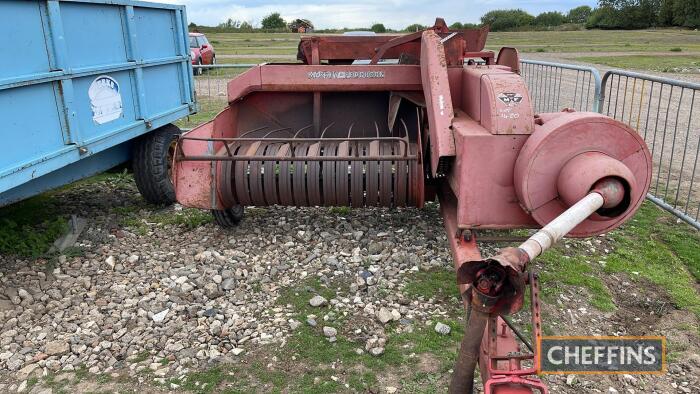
[688, 64]
[28, 228]
[652, 246]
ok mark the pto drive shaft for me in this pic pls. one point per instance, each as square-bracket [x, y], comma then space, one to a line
[502, 274]
[606, 193]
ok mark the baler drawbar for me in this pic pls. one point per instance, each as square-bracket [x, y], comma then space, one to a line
[394, 121]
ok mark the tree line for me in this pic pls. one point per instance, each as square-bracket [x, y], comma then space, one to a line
[609, 14]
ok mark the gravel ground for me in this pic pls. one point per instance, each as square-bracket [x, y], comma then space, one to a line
[205, 295]
[197, 296]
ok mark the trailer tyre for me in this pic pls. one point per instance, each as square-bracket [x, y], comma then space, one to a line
[152, 158]
[228, 218]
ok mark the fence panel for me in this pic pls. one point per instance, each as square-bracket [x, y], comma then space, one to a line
[210, 80]
[555, 86]
[661, 110]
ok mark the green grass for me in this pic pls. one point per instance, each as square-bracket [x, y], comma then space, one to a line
[205, 381]
[649, 63]
[561, 271]
[303, 364]
[141, 357]
[28, 228]
[339, 210]
[208, 108]
[298, 296]
[31, 382]
[257, 60]
[662, 251]
[438, 283]
[651, 247]
[139, 220]
[81, 373]
[189, 218]
[290, 50]
[660, 40]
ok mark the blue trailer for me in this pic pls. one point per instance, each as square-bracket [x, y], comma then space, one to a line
[86, 85]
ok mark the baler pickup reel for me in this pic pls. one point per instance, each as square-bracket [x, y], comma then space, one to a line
[393, 121]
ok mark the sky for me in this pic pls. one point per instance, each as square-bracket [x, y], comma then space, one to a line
[394, 14]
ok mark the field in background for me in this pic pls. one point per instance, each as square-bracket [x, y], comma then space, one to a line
[559, 41]
[661, 51]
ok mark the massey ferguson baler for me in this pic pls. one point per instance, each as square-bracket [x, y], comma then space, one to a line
[394, 121]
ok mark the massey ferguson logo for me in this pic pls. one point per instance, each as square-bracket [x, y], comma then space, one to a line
[510, 99]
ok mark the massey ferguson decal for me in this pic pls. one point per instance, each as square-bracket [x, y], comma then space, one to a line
[511, 99]
[345, 74]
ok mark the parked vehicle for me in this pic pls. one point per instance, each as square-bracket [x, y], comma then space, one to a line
[201, 51]
[100, 82]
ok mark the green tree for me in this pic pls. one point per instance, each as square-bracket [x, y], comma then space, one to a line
[646, 13]
[246, 27]
[273, 21]
[666, 13]
[686, 13]
[552, 18]
[500, 20]
[600, 17]
[414, 28]
[378, 28]
[457, 26]
[625, 14]
[579, 14]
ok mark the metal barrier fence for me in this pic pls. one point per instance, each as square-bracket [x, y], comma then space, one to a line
[661, 110]
[554, 86]
[210, 80]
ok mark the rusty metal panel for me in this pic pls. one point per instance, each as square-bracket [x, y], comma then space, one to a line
[482, 178]
[498, 99]
[505, 105]
[193, 179]
[324, 78]
[438, 99]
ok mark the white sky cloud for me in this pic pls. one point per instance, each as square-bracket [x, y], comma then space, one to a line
[362, 13]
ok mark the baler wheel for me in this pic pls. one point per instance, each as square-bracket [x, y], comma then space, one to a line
[228, 218]
[152, 158]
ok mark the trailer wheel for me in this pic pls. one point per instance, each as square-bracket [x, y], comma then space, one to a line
[152, 161]
[198, 70]
[228, 218]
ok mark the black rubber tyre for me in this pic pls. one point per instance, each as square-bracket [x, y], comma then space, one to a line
[198, 70]
[152, 158]
[228, 218]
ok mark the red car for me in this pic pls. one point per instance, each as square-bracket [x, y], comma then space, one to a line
[201, 50]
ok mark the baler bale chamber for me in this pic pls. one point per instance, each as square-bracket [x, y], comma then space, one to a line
[394, 121]
[353, 158]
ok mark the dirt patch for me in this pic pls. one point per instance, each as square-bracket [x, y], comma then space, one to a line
[641, 309]
[428, 363]
[640, 305]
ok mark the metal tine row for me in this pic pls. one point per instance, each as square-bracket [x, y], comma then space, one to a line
[276, 179]
[297, 141]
